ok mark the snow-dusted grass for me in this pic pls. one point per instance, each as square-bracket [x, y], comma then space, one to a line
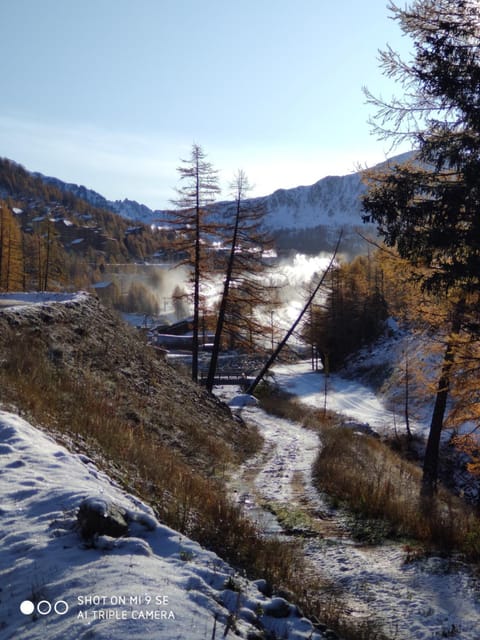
[365, 474]
[376, 482]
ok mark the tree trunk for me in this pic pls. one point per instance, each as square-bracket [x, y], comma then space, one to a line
[199, 190]
[283, 342]
[432, 451]
[2, 234]
[196, 295]
[430, 462]
[47, 260]
[223, 305]
[407, 397]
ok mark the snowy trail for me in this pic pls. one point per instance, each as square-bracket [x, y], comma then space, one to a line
[274, 475]
[421, 600]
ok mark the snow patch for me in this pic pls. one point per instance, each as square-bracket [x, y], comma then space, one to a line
[39, 297]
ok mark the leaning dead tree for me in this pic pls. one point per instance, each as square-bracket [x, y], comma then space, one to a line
[284, 341]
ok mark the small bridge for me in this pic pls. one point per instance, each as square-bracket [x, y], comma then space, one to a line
[228, 378]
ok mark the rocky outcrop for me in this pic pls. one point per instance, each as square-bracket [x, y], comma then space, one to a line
[97, 516]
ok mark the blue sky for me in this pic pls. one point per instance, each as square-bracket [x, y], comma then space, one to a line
[112, 93]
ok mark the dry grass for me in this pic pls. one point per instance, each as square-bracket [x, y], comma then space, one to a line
[381, 486]
[284, 405]
[375, 482]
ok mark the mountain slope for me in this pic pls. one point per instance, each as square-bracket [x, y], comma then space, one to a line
[85, 341]
[309, 218]
[333, 200]
[304, 218]
[129, 209]
[76, 234]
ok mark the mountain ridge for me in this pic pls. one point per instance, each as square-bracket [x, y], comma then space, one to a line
[303, 218]
[141, 212]
[130, 209]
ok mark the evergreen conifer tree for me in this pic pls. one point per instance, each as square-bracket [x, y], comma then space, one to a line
[429, 208]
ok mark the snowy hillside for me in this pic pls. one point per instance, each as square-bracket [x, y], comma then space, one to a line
[127, 208]
[332, 201]
[151, 583]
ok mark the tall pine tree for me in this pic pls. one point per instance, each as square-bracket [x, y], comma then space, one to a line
[242, 283]
[429, 208]
[199, 188]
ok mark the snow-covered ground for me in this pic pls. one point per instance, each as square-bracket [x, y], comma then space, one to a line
[153, 583]
[36, 297]
[428, 598]
[348, 397]
[157, 583]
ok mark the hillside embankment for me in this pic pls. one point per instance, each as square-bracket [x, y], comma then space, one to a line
[84, 341]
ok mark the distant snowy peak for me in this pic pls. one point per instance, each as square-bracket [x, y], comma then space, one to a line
[309, 218]
[129, 209]
[331, 200]
[292, 215]
[134, 211]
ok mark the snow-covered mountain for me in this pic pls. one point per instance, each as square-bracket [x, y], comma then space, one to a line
[308, 218]
[332, 201]
[304, 218]
[129, 209]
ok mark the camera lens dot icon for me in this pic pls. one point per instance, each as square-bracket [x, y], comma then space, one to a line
[27, 607]
[44, 607]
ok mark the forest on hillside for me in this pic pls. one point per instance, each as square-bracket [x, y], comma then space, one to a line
[50, 239]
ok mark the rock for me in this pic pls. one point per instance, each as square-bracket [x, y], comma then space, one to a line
[277, 608]
[264, 587]
[98, 516]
